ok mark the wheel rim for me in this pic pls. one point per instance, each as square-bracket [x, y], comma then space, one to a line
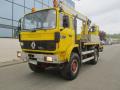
[74, 66]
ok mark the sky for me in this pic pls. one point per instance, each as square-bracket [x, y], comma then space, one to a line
[105, 13]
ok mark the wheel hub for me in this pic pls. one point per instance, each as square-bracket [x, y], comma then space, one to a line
[74, 66]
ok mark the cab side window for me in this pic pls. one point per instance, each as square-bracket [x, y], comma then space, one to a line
[64, 21]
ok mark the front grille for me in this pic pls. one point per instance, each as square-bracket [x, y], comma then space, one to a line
[39, 45]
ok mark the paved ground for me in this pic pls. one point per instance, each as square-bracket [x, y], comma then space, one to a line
[103, 76]
[8, 49]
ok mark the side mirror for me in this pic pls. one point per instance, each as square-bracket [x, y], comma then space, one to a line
[88, 22]
[19, 28]
[19, 25]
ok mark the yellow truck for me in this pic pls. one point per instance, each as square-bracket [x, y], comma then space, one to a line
[58, 37]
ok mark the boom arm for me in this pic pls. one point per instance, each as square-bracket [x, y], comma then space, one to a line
[64, 6]
[72, 11]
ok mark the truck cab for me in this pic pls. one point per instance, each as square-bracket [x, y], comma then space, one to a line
[47, 32]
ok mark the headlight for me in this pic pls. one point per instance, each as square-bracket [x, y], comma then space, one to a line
[49, 59]
[21, 43]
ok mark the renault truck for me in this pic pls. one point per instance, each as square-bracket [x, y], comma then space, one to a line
[59, 37]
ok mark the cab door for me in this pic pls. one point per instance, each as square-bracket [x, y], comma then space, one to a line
[66, 32]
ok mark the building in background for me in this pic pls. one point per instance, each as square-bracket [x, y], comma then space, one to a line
[12, 10]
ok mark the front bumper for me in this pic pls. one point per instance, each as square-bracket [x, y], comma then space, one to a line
[42, 58]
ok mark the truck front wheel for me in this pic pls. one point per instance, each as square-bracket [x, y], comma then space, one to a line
[71, 69]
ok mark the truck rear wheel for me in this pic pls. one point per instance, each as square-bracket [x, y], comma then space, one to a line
[35, 68]
[71, 69]
[96, 56]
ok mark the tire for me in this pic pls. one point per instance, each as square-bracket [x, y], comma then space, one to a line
[96, 56]
[35, 68]
[71, 69]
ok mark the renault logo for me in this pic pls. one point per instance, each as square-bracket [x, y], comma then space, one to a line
[33, 45]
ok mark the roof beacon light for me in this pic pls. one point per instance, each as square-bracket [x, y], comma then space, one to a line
[55, 3]
[33, 9]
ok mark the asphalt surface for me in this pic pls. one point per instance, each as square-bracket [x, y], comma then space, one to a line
[103, 76]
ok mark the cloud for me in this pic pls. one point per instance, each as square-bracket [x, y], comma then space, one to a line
[106, 13]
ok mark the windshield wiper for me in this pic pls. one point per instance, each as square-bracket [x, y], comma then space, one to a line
[29, 30]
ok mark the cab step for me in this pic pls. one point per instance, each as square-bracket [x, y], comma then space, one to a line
[87, 59]
[87, 52]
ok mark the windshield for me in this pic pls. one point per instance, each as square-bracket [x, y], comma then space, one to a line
[45, 19]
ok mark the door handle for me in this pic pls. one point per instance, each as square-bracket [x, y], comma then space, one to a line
[70, 35]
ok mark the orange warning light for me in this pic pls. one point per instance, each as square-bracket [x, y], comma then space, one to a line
[55, 3]
[33, 10]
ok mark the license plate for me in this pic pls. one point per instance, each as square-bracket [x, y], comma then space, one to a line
[33, 62]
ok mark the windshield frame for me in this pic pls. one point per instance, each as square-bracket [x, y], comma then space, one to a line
[39, 29]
